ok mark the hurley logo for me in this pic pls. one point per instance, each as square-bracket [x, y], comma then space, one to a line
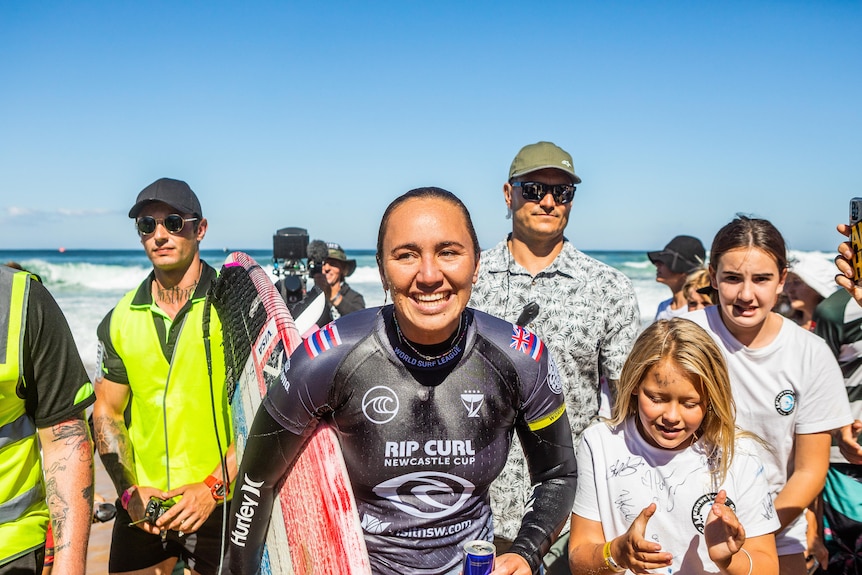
[566, 163]
[250, 491]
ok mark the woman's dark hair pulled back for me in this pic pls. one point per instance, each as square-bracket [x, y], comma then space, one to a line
[426, 193]
[746, 232]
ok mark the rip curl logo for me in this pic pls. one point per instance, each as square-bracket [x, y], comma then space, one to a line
[700, 510]
[567, 163]
[555, 382]
[473, 401]
[785, 402]
[380, 404]
[426, 494]
[371, 524]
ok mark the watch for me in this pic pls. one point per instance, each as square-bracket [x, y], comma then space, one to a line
[217, 487]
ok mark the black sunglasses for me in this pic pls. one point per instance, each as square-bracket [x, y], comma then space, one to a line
[535, 191]
[174, 223]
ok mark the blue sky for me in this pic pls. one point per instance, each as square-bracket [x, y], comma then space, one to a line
[317, 114]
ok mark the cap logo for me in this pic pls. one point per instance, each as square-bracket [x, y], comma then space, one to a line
[567, 163]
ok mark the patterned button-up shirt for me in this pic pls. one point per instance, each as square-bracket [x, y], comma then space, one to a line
[588, 317]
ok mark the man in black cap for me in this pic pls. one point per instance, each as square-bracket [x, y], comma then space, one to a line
[162, 421]
[682, 256]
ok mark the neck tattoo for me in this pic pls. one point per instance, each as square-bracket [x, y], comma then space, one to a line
[455, 341]
[176, 294]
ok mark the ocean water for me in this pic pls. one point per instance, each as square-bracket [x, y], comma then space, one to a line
[88, 283]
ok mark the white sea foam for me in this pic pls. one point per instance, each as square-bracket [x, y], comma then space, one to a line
[88, 285]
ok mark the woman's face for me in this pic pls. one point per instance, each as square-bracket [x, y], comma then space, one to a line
[748, 282]
[428, 264]
[671, 406]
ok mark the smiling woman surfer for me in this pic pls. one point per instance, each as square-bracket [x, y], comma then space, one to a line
[424, 395]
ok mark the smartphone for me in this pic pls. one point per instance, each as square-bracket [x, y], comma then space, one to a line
[856, 237]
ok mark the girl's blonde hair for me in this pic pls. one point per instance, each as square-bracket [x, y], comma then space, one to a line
[700, 282]
[694, 351]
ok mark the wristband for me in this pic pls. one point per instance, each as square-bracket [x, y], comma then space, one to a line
[127, 496]
[609, 560]
[750, 560]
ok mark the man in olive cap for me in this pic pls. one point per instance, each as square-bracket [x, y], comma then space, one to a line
[585, 311]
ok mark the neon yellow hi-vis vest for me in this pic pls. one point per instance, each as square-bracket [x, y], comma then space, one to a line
[23, 511]
[171, 427]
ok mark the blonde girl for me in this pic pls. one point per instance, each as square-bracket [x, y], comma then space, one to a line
[666, 485]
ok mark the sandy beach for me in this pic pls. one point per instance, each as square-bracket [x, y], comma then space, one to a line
[100, 534]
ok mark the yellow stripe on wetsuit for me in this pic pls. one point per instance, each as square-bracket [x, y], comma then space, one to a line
[548, 419]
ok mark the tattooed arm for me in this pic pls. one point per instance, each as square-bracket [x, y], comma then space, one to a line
[115, 447]
[67, 450]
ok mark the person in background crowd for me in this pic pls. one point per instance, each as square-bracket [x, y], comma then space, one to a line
[176, 446]
[669, 484]
[786, 384]
[698, 290]
[810, 279]
[682, 256]
[45, 392]
[838, 320]
[342, 298]
[584, 310]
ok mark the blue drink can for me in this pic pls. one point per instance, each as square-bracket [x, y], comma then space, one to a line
[479, 558]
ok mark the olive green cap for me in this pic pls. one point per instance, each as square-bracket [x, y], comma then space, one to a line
[540, 156]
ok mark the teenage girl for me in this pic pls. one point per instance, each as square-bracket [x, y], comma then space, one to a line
[666, 485]
[787, 385]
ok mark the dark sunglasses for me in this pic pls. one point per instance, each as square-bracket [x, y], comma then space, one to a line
[174, 223]
[535, 191]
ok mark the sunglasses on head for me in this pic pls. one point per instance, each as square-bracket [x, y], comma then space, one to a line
[174, 223]
[535, 191]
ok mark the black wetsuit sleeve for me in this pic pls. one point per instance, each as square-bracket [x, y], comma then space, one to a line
[269, 452]
[553, 471]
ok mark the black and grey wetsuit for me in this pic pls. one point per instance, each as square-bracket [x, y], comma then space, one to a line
[423, 436]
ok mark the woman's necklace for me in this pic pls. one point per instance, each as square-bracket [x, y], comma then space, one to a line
[454, 341]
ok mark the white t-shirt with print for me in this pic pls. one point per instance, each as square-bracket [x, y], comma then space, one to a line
[791, 386]
[620, 474]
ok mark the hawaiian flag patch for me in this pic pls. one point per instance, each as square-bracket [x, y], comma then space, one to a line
[321, 340]
[526, 341]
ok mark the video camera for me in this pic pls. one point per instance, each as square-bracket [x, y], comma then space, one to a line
[295, 259]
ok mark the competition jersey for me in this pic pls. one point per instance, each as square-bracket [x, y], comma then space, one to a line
[422, 436]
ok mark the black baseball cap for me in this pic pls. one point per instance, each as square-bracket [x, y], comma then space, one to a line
[175, 193]
[682, 255]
